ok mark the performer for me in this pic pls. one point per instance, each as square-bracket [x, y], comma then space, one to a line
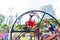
[50, 26]
[47, 36]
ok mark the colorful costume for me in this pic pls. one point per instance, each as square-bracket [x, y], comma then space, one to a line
[51, 28]
[30, 23]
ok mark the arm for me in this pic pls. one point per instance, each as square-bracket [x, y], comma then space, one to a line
[51, 37]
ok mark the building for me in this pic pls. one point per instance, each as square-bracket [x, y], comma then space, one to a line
[49, 9]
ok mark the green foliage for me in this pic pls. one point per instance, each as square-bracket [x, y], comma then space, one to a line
[58, 20]
[4, 28]
[51, 21]
[18, 27]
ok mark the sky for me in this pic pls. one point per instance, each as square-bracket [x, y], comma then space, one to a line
[21, 6]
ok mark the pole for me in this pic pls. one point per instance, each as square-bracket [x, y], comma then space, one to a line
[30, 37]
[10, 23]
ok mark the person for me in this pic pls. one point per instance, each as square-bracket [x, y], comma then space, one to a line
[30, 23]
[50, 26]
[47, 36]
[6, 37]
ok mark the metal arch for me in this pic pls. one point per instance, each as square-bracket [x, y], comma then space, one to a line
[34, 11]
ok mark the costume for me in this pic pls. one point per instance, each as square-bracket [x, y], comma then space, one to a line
[30, 23]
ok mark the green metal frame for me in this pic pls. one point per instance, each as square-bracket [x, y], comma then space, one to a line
[38, 24]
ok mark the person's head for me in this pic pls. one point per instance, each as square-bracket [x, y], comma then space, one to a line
[46, 21]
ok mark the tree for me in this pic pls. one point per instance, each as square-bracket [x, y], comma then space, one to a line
[2, 17]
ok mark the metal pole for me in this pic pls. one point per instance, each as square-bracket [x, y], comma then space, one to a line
[10, 23]
[11, 36]
[30, 37]
[38, 34]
